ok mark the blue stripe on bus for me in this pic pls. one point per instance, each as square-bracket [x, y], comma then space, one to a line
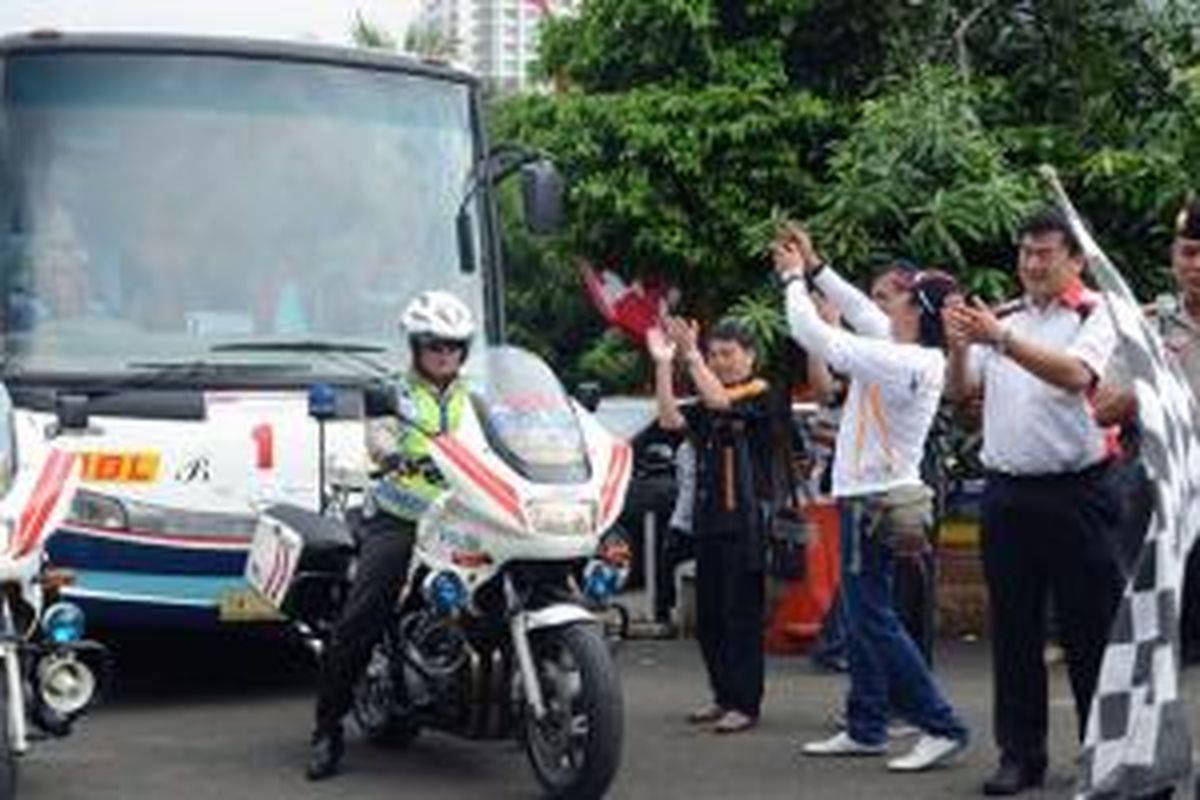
[123, 598]
[74, 550]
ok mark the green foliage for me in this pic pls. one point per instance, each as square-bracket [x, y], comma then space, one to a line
[685, 127]
[365, 33]
[762, 312]
[919, 176]
[620, 44]
[677, 183]
[613, 361]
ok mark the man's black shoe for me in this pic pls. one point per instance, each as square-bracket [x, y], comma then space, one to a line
[1013, 778]
[325, 755]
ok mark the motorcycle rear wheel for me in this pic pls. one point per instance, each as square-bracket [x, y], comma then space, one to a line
[575, 749]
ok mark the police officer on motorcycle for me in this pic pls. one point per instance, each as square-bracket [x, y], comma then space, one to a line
[430, 398]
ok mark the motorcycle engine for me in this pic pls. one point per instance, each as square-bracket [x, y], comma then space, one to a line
[433, 643]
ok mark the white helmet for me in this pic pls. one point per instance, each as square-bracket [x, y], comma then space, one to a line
[438, 315]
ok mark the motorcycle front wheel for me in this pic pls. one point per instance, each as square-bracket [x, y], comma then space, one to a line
[575, 748]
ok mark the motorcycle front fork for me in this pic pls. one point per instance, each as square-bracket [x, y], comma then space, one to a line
[518, 626]
[10, 652]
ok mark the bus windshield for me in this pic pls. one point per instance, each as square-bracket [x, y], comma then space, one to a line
[163, 208]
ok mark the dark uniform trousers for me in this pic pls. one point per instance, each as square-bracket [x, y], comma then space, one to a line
[1046, 536]
[385, 548]
[730, 602]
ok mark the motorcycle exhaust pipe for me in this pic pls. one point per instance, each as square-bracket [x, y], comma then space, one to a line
[65, 684]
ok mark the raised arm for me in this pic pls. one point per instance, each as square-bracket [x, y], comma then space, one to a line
[879, 360]
[685, 336]
[793, 253]
[859, 311]
[662, 351]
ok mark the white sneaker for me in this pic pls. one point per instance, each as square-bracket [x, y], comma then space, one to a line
[929, 751]
[898, 729]
[841, 744]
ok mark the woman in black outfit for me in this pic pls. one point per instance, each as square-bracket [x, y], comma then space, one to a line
[731, 432]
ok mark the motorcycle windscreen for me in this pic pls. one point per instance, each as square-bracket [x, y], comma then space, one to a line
[528, 419]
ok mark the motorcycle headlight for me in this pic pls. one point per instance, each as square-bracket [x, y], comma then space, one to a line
[558, 518]
[63, 622]
[446, 592]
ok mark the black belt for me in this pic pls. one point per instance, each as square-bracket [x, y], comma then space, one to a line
[1096, 470]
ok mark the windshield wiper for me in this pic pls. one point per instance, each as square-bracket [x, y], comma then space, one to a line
[355, 352]
[297, 346]
[201, 367]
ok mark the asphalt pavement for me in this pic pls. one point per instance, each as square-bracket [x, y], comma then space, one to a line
[200, 718]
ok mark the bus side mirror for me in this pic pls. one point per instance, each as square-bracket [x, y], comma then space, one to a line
[542, 190]
[465, 232]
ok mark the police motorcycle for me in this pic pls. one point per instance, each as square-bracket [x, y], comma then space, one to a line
[50, 677]
[493, 636]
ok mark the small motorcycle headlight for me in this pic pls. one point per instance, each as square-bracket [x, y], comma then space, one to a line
[446, 592]
[600, 581]
[63, 622]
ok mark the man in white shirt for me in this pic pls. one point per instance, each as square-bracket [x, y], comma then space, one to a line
[1047, 506]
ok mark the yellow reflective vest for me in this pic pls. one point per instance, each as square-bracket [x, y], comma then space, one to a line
[407, 492]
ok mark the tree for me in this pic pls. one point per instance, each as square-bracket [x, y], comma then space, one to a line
[365, 33]
[685, 126]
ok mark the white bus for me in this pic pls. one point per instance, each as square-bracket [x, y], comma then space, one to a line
[194, 232]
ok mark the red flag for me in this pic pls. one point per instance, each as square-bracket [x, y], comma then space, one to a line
[632, 308]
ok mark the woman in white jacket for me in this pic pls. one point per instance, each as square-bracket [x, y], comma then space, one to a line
[896, 366]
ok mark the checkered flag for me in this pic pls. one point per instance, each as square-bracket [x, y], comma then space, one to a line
[1137, 739]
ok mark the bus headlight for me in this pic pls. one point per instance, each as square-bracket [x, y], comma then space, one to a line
[558, 518]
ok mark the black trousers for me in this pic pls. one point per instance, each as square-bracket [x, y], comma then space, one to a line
[730, 601]
[385, 549]
[1046, 537]
[674, 548]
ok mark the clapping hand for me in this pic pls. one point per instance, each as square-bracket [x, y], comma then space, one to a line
[794, 252]
[662, 349]
[684, 335]
[977, 323]
[973, 323]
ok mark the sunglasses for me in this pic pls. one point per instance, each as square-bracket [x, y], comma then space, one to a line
[444, 346]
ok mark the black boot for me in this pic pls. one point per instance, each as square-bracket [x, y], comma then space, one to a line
[325, 754]
[1013, 777]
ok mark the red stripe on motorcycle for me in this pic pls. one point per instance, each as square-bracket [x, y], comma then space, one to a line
[276, 572]
[504, 495]
[617, 465]
[45, 497]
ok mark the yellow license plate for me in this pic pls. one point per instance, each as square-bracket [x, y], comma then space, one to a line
[246, 605]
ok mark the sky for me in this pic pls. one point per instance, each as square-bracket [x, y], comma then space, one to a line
[311, 20]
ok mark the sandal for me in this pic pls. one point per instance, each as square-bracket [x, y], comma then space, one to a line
[734, 722]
